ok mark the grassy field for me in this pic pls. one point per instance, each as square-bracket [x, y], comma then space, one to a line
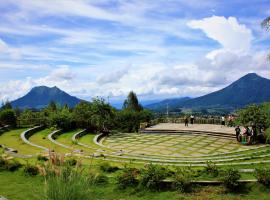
[17, 186]
[40, 138]
[12, 139]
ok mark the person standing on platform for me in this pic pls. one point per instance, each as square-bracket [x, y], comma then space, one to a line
[191, 119]
[237, 133]
[222, 121]
[186, 121]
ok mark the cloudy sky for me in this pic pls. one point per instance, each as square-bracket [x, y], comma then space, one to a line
[159, 49]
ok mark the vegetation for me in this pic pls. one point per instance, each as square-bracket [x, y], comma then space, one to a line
[106, 167]
[183, 180]
[96, 116]
[230, 179]
[128, 178]
[152, 176]
[263, 176]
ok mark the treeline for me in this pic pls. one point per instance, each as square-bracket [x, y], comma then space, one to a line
[256, 116]
[98, 116]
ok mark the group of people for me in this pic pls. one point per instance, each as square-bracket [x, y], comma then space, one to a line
[248, 135]
[192, 119]
[230, 120]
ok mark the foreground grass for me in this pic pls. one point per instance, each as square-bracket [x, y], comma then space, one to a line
[17, 186]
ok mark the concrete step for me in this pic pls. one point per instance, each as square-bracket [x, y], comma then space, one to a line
[188, 132]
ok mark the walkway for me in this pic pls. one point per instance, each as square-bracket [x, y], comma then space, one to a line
[194, 127]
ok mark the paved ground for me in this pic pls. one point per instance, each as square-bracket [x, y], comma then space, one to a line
[196, 127]
[176, 145]
[173, 145]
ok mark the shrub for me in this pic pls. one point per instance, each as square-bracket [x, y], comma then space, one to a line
[128, 178]
[12, 165]
[31, 170]
[106, 167]
[263, 176]
[42, 158]
[2, 163]
[152, 176]
[183, 180]
[267, 135]
[97, 179]
[71, 162]
[230, 179]
[211, 169]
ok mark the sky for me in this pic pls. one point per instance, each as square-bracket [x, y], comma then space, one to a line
[159, 49]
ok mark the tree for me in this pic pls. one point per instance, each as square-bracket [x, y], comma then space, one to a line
[62, 119]
[8, 117]
[102, 116]
[132, 103]
[6, 105]
[253, 115]
[52, 106]
[82, 114]
[266, 23]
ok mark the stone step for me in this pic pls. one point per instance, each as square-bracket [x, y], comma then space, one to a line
[188, 132]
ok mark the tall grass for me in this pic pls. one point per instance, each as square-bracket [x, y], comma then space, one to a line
[64, 182]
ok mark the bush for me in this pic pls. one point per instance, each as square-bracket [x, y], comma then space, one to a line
[31, 170]
[12, 165]
[128, 178]
[42, 158]
[97, 179]
[263, 176]
[211, 169]
[71, 162]
[183, 180]
[106, 167]
[152, 176]
[2, 163]
[267, 135]
[230, 179]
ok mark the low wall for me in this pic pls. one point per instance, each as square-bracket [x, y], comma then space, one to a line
[28, 133]
[79, 134]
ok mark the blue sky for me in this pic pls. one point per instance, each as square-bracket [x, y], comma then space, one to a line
[159, 49]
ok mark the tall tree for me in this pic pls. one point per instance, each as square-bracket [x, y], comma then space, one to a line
[132, 103]
[266, 23]
[8, 117]
[102, 115]
[6, 105]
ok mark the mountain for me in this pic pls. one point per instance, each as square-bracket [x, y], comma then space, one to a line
[251, 88]
[162, 105]
[41, 96]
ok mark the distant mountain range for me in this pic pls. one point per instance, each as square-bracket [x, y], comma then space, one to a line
[251, 88]
[39, 97]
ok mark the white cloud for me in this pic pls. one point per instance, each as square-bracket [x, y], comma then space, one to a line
[12, 53]
[228, 32]
[112, 77]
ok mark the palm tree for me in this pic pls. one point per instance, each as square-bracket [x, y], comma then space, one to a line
[266, 23]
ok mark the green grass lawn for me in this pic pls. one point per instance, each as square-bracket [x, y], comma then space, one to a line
[40, 138]
[17, 186]
[12, 139]
[66, 139]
